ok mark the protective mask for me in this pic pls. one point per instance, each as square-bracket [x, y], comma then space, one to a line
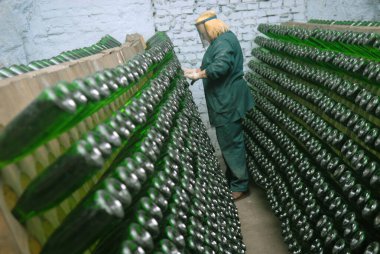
[203, 34]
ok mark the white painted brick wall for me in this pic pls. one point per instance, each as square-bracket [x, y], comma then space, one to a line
[60, 25]
[343, 9]
[32, 29]
[13, 27]
[243, 16]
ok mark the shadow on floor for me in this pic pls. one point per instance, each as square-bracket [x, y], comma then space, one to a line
[261, 229]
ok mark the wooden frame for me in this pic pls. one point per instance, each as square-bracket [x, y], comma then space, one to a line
[363, 29]
[17, 92]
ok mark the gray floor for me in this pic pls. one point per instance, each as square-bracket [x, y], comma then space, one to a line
[260, 228]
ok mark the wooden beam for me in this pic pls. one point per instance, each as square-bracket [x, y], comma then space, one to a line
[7, 243]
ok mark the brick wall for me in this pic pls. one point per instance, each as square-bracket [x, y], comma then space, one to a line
[343, 9]
[32, 30]
[177, 18]
[59, 25]
[13, 27]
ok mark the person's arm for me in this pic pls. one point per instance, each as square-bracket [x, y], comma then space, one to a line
[222, 61]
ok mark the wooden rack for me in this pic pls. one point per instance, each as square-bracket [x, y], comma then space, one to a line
[17, 92]
[363, 29]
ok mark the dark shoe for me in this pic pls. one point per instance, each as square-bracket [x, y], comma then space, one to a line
[239, 195]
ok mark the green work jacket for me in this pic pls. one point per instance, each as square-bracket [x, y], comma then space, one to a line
[227, 95]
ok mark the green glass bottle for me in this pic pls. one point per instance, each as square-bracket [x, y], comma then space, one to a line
[373, 248]
[61, 178]
[166, 247]
[128, 247]
[39, 121]
[91, 219]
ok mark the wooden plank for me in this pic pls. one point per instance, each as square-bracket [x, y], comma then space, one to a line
[17, 92]
[136, 39]
[7, 243]
[13, 238]
[366, 29]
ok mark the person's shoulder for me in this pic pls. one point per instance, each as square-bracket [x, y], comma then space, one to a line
[228, 35]
[226, 38]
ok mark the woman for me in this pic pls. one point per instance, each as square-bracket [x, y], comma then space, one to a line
[227, 95]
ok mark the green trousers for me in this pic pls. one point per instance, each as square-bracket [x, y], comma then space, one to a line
[231, 141]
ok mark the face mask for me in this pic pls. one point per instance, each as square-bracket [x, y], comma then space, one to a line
[203, 34]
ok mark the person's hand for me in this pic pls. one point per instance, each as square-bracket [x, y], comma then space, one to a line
[193, 75]
[187, 71]
[190, 73]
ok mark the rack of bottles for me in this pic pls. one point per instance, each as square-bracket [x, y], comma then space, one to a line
[313, 139]
[130, 167]
[106, 42]
[344, 22]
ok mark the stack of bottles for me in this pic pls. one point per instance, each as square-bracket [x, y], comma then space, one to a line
[135, 171]
[107, 42]
[313, 140]
[344, 22]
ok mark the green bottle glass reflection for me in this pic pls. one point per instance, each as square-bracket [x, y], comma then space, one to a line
[90, 220]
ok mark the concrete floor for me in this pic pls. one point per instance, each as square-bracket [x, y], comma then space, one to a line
[260, 228]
